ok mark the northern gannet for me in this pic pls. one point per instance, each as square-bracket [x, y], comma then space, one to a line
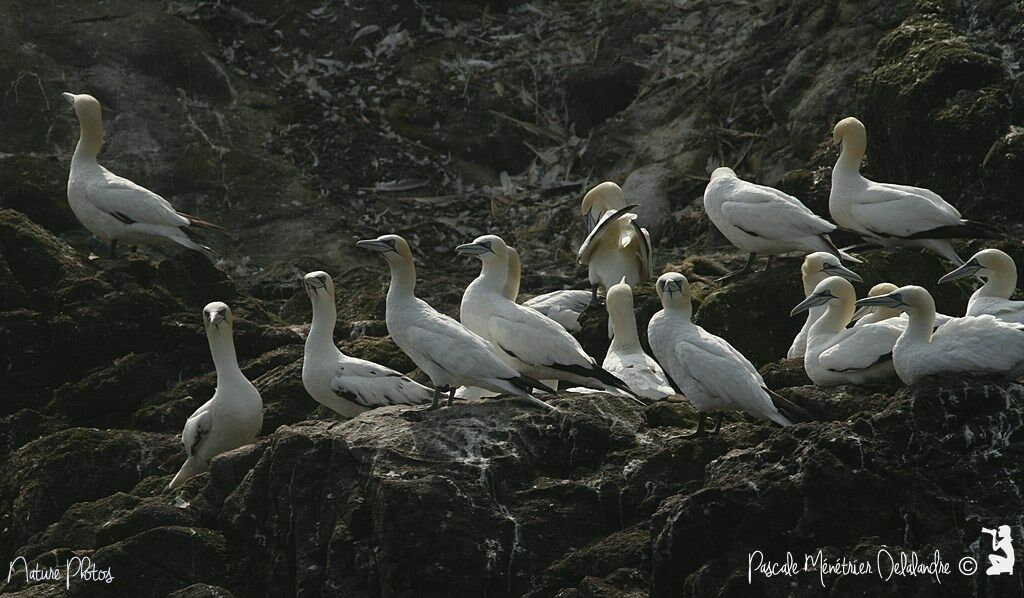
[448, 352]
[979, 345]
[348, 385]
[114, 208]
[993, 298]
[603, 197]
[617, 247]
[816, 267]
[234, 416]
[763, 220]
[527, 340]
[625, 357]
[709, 371]
[893, 215]
[840, 355]
[878, 313]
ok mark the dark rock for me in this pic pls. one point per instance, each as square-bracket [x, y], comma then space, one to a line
[785, 373]
[596, 93]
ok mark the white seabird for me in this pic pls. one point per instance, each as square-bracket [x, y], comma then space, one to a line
[816, 267]
[979, 345]
[993, 298]
[602, 198]
[763, 220]
[625, 357]
[234, 416]
[840, 355]
[524, 338]
[712, 374]
[448, 352]
[893, 215]
[347, 385]
[114, 208]
[878, 313]
[617, 247]
[563, 306]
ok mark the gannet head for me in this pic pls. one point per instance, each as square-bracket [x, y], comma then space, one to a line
[849, 130]
[986, 263]
[86, 107]
[824, 264]
[489, 248]
[882, 288]
[673, 289]
[908, 298]
[318, 281]
[619, 298]
[832, 288]
[723, 172]
[606, 196]
[392, 247]
[217, 316]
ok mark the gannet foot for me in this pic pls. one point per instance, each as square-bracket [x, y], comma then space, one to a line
[696, 433]
[436, 402]
[451, 396]
[746, 269]
[718, 423]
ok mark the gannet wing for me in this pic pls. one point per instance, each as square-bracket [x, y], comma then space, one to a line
[1005, 309]
[456, 350]
[563, 307]
[535, 339]
[895, 212]
[720, 371]
[983, 343]
[645, 250]
[642, 374]
[197, 427]
[604, 226]
[764, 214]
[862, 347]
[371, 385]
[131, 203]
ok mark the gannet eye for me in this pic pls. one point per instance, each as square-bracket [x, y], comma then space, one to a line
[486, 244]
[391, 242]
[897, 296]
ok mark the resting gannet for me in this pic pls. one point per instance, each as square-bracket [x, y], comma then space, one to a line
[600, 199]
[347, 385]
[993, 298]
[448, 352]
[234, 416]
[763, 220]
[893, 215]
[114, 208]
[816, 267]
[626, 358]
[709, 371]
[840, 355]
[617, 247]
[527, 340]
[979, 345]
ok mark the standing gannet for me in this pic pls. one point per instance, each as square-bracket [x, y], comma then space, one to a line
[979, 345]
[840, 355]
[763, 220]
[114, 208]
[709, 371]
[993, 298]
[603, 197]
[347, 385]
[626, 358]
[448, 352]
[234, 416]
[617, 247]
[816, 267]
[524, 338]
[893, 215]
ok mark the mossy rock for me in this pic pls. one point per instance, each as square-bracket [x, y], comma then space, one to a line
[32, 257]
[37, 187]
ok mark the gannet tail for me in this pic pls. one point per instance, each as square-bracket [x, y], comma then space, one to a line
[839, 253]
[790, 411]
[521, 386]
[196, 222]
[190, 469]
[967, 229]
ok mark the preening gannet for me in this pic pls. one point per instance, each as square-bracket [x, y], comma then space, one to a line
[893, 215]
[840, 355]
[448, 352]
[763, 220]
[626, 358]
[527, 340]
[603, 197]
[816, 267]
[970, 345]
[114, 208]
[709, 371]
[234, 416]
[617, 247]
[347, 385]
[993, 298]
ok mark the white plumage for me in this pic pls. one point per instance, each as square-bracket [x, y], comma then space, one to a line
[617, 247]
[347, 385]
[708, 370]
[816, 267]
[449, 353]
[625, 357]
[524, 338]
[563, 307]
[879, 313]
[993, 298]
[840, 355]
[979, 345]
[234, 416]
[114, 208]
[603, 197]
[889, 214]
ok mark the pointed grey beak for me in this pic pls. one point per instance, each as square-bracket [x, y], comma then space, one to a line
[812, 300]
[375, 245]
[216, 317]
[969, 269]
[473, 249]
[672, 287]
[70, 97]
[843, 271]
[860, 313]
[890, 300]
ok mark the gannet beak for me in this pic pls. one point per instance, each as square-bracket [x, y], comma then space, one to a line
[375, 245]
[70, 97]
[860, 313]
[843, 271]
[890, 300]
[969, 269]
[216, 317]
[812, 300]
[473, 249]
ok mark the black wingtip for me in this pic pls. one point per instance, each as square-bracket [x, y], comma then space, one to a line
[534, 383]
[793, 412]
[969, 229]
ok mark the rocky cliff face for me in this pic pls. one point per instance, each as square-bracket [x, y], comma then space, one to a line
[307, 125]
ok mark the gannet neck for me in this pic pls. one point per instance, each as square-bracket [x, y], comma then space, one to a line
[619, 302]
[515, 266]
[494, 273]
[1001, 278]
[90, 122]
[921, 323]
[838, 313]
[682, 308]
[321, 332]
[403, 277]
[855, 145]
[222, 347]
